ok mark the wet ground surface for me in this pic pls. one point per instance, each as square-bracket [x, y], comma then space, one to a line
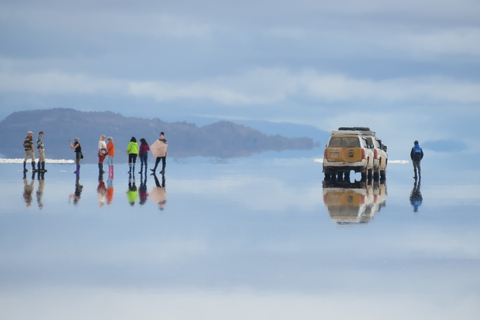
[251, 238]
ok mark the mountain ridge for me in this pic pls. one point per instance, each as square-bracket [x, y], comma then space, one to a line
[222, 139]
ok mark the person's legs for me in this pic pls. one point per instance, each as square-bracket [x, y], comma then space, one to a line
[77, 161]
[134, 160]
[157, 160]
[164, 163]
[41, 162]
[415, 168]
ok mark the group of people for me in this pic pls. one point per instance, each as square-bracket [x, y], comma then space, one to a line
[106, 150]
[30, 152]
[159, 150]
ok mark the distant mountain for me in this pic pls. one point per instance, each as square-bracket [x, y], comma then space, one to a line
[222, 139]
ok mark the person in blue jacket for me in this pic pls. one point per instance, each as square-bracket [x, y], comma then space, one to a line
[416, 155]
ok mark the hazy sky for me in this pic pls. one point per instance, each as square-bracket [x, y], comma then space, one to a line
[408, 69]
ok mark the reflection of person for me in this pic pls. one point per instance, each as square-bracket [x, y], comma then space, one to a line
[109, 192]
[78, 153]
[143, 153]
[159, 193]
[41, 153]
[143, 190]
[41, 187]
[29, 151]
[416, 155]
[28, 190]
[132, 193]
[416, 196]
[132, 151]
[102, 152]
[101, 191]
[162, 156]
[78, 191]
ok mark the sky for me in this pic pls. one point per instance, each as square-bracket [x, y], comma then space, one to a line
[409, 70]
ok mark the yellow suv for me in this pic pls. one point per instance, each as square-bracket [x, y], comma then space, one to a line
[380, 155]
[347, 150]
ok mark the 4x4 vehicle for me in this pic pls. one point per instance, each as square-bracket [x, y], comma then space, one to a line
[347, 150]
[380, 156]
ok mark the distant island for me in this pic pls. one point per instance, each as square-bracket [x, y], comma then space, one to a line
[222, 139]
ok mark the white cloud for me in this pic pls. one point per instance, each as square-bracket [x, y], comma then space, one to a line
[437, 42]
[55, 83]
[255, 87]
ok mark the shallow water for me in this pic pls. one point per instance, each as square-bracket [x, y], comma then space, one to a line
[253, 238]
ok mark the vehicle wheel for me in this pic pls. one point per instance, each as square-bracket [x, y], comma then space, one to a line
[383, 175]
[376, 174]
[328, 175]
[364, 175]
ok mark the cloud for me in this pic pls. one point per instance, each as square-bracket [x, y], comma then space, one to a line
[445, 145]
[255, 87]
[55, 83]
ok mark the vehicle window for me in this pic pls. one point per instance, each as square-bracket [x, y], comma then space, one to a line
[335, 142]
[350, 142]
[344, 142]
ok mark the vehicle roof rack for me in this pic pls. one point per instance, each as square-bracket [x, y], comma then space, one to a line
[354, 129]
[361, 130]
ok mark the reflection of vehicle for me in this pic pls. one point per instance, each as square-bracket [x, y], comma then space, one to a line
[353, 202]
[380, 156]
[347, 150]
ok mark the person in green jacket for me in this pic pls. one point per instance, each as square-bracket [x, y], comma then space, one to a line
[132, 151]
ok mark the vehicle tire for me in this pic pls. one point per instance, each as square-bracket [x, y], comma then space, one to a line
[364, 174]
[376, 174]
[383, 175]
[328, 175]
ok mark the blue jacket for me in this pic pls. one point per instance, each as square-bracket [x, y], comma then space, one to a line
[417, 153]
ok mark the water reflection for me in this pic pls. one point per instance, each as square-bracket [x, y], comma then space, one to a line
[356, 202]
[416, 196]
[132, 192]
[28, 188]
[159, 192]
[110, 190]
[101, 190]
[75, 197]
[41, 187]
[143, 188]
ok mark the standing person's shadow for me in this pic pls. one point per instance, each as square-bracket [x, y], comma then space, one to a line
[416, 196]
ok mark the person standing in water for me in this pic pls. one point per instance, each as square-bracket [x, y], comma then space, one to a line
[110, 155]
[102, 152]
[132, 151]
[161, 153]
[29, 151]
[78, 153]
[41, 153]
[416, 155]
[143, 153]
